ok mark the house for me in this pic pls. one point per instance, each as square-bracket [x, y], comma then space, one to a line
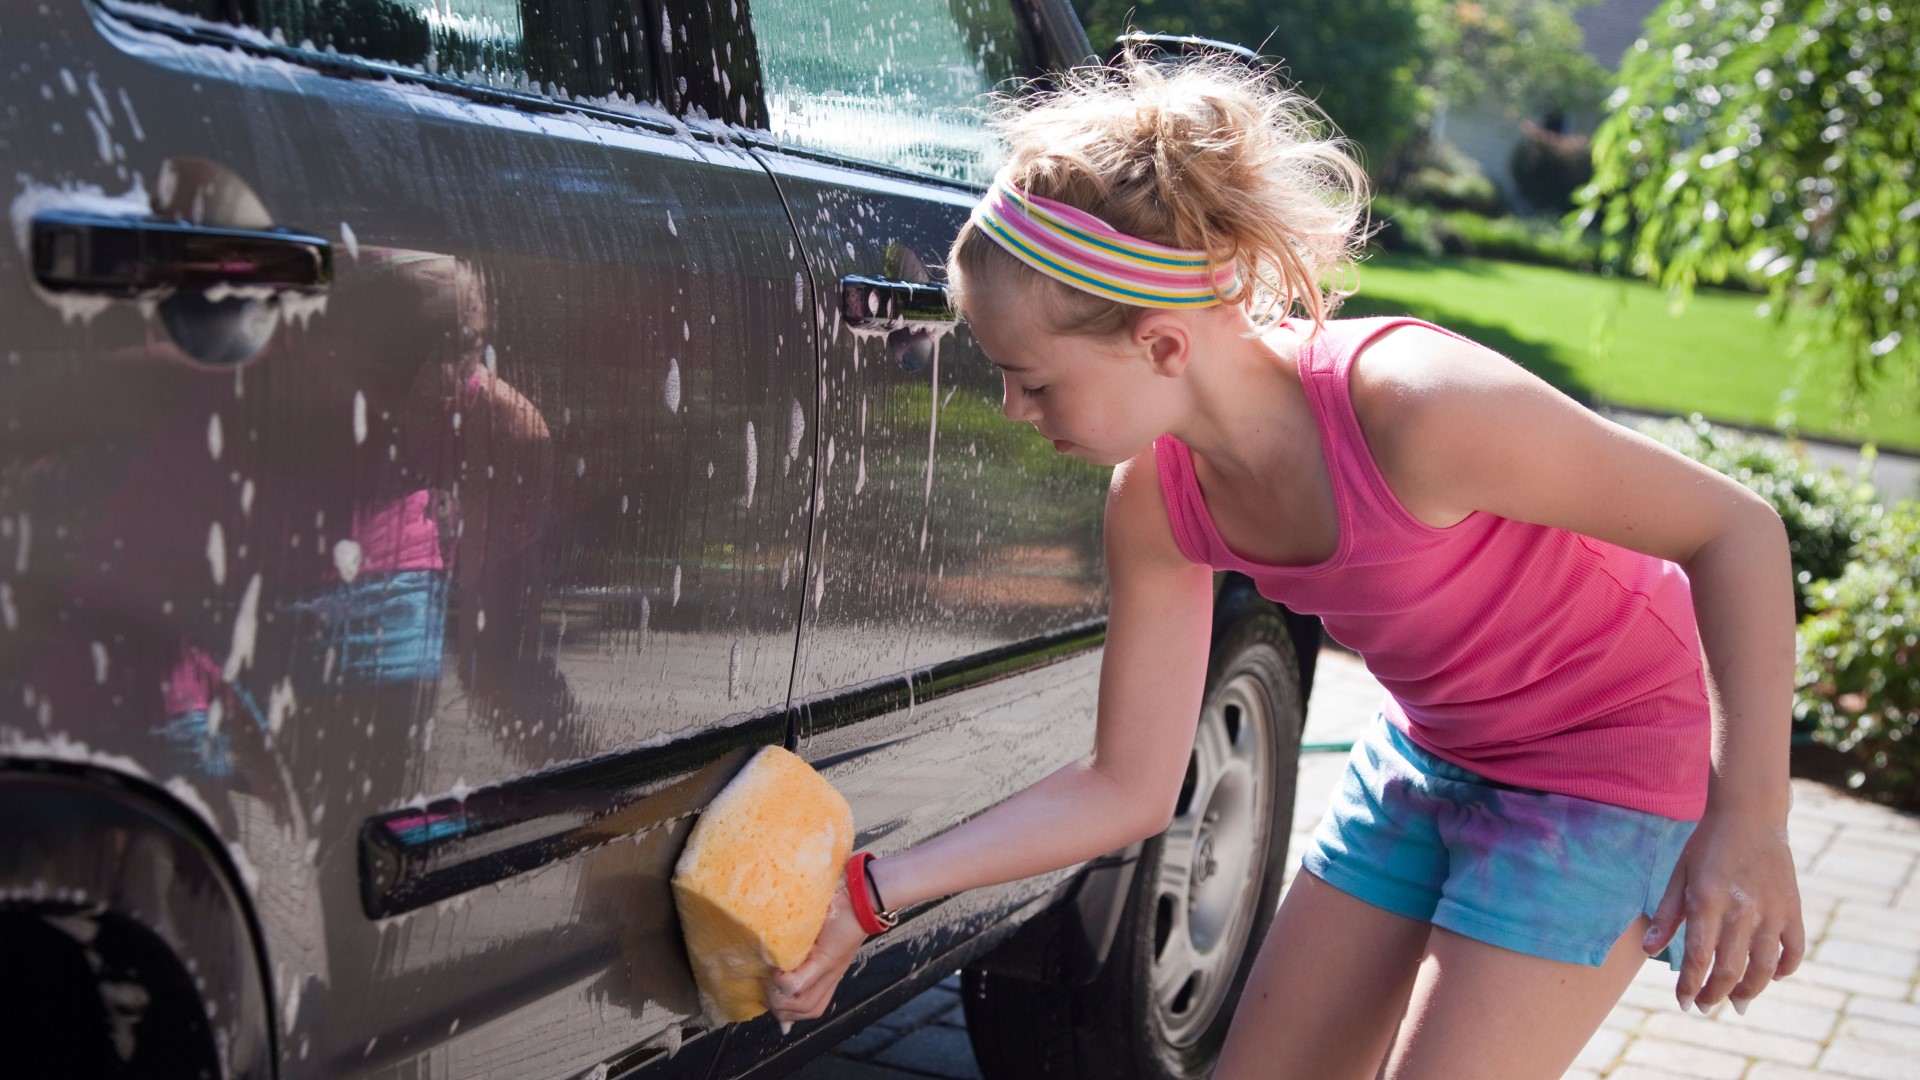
[1487, 132]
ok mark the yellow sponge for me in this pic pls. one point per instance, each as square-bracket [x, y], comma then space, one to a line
[753, 884]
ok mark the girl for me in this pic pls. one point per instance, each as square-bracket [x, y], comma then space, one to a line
[1559, 778]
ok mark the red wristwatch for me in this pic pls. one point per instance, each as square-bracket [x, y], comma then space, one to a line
[862, 894]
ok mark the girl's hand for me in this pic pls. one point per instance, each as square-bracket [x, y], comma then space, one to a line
[1735, 888]
[805, 992]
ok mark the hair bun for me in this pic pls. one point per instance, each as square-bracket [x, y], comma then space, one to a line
[1202, 152]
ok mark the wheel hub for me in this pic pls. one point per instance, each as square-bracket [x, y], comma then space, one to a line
[1205, 865]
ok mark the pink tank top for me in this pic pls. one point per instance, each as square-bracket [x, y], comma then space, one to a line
[1531, 655]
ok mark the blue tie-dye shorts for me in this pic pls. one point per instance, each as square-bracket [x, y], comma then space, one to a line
[1548, 875]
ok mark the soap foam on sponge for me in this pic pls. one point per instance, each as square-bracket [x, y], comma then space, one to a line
[753, 884]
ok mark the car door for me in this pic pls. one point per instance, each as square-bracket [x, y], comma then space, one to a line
[955, 589]
[407, 460]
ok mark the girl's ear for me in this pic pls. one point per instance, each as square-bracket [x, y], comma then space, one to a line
[1167, 338]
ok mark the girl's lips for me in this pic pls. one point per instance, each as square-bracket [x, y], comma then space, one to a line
[1061, 445]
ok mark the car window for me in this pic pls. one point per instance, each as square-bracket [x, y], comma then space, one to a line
[896, 82]
[556, 48]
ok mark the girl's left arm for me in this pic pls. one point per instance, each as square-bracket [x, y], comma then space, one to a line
[1458, 428]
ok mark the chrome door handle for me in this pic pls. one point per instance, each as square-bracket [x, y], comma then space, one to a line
[871, 303]
[75, 251]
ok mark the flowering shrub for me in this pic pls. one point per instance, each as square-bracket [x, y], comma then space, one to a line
[1858, 679]
[1824, 509]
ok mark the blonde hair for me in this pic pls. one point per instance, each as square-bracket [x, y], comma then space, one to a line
[1201, 153]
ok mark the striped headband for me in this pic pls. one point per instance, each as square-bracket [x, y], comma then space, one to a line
[1073, 246]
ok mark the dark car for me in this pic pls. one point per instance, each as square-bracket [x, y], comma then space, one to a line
[440, 441]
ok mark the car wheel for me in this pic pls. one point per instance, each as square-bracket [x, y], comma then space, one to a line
[1202, 896]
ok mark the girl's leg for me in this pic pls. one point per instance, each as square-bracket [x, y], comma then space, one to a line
[1480, 1012]
[1327, 990]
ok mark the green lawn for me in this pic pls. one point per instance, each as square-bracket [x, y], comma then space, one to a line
[1718, 357]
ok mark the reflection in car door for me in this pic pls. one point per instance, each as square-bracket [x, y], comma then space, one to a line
[951, 548]
[357, 572]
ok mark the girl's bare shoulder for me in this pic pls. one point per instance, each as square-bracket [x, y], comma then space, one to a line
[1409, 372]
[1139, 528]
[1416, 391]
[1456, 428]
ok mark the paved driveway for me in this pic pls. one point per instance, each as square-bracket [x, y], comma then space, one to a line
[1852, 1011]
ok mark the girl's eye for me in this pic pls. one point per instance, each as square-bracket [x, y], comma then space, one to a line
[1033, 391]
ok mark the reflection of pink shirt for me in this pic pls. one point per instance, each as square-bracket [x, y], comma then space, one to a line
[401, 535]
[1531, 655]
[191, 684]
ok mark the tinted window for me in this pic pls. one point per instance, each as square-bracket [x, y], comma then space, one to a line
[897, 82]
[561, 48]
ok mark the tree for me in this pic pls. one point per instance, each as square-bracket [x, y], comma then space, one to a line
[1775, 138]
[1362, 60]
[1527, 56]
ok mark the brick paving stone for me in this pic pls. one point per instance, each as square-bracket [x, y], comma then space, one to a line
[1804, 856]
[1882, 926]
[1741, 1041]
[1771, 1013]
[1805, 831]
[1872, 1030]
[1686, 1059]
[1652, 989]
[1773, 1070]
[1645, 1072]
[937, 1050]
[1653, 999]
[1810, 840]
[1869, 1060]
[1830, 890]
[1864, 864]
[1625, 1017]
[1816, 908]
[1904, 1013]
[1801, 992]
[1656, 975]
[1818, 802]
[1885, 836]
[1852, 980]
[1602, 1050]
[1876, 959]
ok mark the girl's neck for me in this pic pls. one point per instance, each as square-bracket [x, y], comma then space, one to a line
[1249, 411]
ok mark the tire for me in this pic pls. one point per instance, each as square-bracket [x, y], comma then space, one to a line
[95, 995]
[1202, 896]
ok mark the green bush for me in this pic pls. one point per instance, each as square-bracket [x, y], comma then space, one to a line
[1404, 226]
[1527, 240]
[1433, 172]
[1858, 678]
[1826, 512]
[1548, 167]
[1423, 230]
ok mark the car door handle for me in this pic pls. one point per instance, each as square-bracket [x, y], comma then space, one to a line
[77, 251]
[872, 303]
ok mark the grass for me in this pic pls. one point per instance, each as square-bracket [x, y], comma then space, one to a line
[1717, 357]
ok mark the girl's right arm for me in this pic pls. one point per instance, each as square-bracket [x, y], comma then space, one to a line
[1152, 677]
